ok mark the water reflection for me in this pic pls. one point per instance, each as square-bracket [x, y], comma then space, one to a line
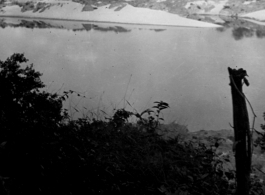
[244, 29]
[241, 32]
[241, 28]
[69, 25]
[116, 29]
[26, 24]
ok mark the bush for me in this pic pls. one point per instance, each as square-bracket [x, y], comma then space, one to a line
[41, 153]
[28, 116]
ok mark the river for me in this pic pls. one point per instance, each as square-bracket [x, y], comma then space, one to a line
[114, 66]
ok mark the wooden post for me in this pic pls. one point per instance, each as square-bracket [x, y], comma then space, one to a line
[242, 137]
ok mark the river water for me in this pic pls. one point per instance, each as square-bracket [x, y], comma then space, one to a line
[114, 66]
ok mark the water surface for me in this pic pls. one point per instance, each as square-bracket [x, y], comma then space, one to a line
[109, 63]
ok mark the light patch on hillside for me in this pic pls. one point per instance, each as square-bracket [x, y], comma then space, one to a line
[68, 10]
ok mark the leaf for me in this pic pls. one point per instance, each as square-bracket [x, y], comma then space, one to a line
[204, 176]
[162, 189]
[164, 104]
[191, 178]
[138, 115]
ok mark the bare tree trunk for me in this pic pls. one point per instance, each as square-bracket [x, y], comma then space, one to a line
[242, 141]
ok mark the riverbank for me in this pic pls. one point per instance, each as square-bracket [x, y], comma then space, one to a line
[154, 12]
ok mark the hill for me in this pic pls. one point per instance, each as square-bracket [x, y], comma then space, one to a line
[154, 12]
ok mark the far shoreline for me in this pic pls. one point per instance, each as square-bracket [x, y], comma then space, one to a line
[95, 22]
[67, 10]
[118, 13]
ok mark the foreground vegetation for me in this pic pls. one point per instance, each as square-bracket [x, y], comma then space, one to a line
[42, 151]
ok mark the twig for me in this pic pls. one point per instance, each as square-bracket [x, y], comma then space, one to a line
[124, 98]
[231, 125]
[259, 170]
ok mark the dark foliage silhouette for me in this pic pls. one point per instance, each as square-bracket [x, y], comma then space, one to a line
[27, 117]
[22, 102]
[42, 151]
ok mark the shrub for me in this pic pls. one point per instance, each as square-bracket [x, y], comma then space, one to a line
[41, 153]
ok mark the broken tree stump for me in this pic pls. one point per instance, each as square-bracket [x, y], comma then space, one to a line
[242, 137]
